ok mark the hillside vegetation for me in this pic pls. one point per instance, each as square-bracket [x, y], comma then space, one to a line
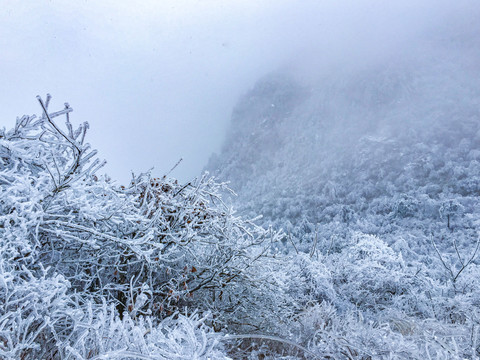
[373, 173]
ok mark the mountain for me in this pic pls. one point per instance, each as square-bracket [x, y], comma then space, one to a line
[381, 149]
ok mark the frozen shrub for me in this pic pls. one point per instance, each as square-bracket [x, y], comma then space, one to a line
[70, 238]
[406, 206]
[369, 273]
[102, 335]
[35, 313]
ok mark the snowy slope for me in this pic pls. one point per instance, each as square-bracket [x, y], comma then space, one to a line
[384, 145]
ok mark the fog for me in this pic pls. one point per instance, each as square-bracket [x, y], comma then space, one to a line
[157, 80]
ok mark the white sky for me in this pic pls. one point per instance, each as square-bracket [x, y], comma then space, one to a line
[157, 80]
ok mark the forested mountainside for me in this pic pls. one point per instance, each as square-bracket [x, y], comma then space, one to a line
[386, 149]
[374, 172]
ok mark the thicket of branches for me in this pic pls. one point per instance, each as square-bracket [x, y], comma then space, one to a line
[91, 269]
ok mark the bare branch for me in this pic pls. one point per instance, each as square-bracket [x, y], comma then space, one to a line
[54, 125]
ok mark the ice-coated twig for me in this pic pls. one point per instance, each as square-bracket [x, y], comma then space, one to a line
[271, 338]
[54, 125]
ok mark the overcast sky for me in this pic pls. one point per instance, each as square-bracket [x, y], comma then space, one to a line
[157, 80]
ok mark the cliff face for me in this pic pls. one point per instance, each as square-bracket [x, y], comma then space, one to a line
[255, 137]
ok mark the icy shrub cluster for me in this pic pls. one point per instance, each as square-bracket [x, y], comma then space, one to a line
[90, 269]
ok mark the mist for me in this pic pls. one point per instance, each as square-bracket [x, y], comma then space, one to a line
[157, 81]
